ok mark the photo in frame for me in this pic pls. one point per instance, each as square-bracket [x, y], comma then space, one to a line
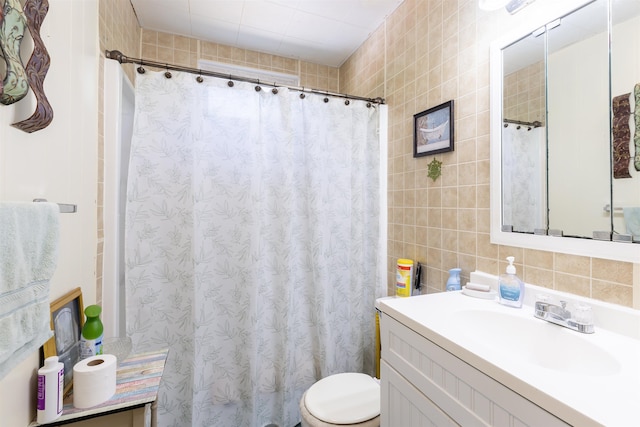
[67, 319]
[433, 130]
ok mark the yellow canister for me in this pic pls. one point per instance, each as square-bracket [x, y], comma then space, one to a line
[404, 276]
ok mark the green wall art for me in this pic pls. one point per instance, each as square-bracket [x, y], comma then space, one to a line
[434, 169]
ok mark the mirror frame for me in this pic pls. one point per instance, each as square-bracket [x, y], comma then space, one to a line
[627, 252]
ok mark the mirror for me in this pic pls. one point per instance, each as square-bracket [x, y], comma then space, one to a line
[551, 131]
[524, 198]
[578, 128]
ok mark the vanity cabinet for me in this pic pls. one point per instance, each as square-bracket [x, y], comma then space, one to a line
[424, 385]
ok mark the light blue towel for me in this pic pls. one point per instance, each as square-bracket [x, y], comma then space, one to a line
[632, 221]
[29, 234]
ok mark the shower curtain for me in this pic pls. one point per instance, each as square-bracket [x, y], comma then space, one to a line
[523, 178]
[255, 244]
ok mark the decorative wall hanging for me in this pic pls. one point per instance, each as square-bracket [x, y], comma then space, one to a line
[636, 135]
[433, 130]
[18, 78]
[621, 136]
[12, 29]
[37, 68]
[434, 169]
[1, 21]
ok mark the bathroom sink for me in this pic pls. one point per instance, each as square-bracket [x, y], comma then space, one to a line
[536, 342]
[583, 379]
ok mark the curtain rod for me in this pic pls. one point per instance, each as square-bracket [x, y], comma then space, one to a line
[535, 124]
[123, 59]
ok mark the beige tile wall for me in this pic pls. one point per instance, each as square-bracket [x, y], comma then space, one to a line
[426, 53]
[185, 51]
[524, 94]
[119, 30]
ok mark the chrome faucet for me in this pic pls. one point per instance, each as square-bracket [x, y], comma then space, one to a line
[582, 321]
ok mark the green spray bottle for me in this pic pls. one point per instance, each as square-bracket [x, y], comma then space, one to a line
[92, 333]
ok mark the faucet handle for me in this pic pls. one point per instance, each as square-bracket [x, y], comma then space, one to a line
[542, 297]
[583, 314]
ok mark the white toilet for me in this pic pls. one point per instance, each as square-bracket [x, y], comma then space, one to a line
[349, 399]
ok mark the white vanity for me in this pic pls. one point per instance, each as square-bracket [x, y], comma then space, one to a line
[451, 359]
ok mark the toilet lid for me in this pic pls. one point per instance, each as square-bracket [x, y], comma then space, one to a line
[347, 398]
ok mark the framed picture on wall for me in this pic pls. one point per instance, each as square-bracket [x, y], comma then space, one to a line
[433, 130]
[67, 319]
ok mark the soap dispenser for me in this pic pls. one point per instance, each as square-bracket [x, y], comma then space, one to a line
[453, 282]
[511, 287]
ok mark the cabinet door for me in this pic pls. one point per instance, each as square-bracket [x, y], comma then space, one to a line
[403, 405]
[470, 397]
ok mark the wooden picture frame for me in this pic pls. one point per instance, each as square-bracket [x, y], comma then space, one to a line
[67, 319]
[433, 130]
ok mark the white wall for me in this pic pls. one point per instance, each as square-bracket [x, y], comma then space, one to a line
[58, 163]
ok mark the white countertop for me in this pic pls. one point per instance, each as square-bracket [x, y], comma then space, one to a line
[610, 397]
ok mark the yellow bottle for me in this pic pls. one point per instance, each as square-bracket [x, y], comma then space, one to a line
[404, 277]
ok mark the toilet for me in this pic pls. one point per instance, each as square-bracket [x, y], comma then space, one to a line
[348, 399]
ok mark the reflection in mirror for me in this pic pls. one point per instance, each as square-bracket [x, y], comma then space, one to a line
[524, 187]
[625, 76]
[569, 44]
[578, 121]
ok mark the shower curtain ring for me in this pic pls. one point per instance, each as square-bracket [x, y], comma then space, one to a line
[167, 74]
[141, 69]
[274, 91]
[302, 96]
[199, 79]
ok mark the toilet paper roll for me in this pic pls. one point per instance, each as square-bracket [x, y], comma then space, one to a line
[94, 380]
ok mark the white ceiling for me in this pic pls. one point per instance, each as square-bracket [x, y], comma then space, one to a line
[325, 32]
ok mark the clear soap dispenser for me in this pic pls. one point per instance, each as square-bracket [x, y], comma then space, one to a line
[511, 287]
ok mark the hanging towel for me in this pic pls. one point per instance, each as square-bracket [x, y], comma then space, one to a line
[29, 234]
[632, 221]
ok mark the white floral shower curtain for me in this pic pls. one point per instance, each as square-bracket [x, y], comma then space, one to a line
[524, 186]
[255, 244]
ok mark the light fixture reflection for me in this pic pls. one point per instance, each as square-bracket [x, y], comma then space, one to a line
[514, 6]
[492, 4]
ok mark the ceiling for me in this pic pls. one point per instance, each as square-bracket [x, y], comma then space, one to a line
[324, 32]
